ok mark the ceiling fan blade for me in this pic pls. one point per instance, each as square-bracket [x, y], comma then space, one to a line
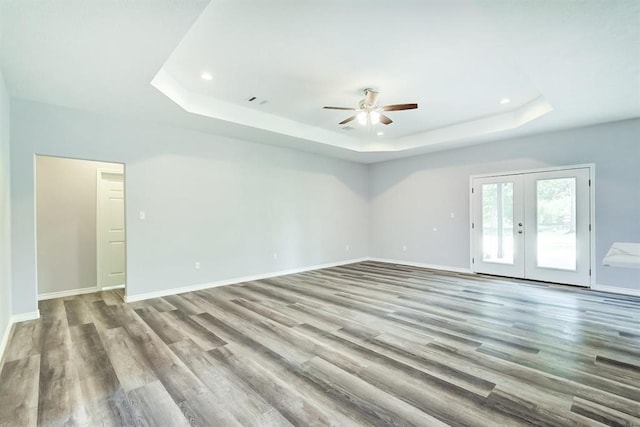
[385, 120]
[339, 108]
[398, 107]
[348, 119]
[371, 97]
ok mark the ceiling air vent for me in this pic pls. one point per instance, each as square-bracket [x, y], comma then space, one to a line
[256, 100]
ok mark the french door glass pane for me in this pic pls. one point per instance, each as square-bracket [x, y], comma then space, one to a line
[556, 223]
[497, 222]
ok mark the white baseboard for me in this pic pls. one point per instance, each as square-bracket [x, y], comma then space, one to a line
[5, 340]
[110, 288]
[198, 287]
[601, 288]
[17, 318]
[422, 265]
[69, 293]
[616, 290]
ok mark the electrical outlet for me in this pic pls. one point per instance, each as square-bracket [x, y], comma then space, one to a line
[346, 248]
[404, 248]
[196, 265]
[275, 255]
[143, 215]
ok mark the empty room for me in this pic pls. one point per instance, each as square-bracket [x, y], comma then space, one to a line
[250, 213]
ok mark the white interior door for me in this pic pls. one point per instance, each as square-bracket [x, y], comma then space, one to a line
[533, 225]
[111, 230]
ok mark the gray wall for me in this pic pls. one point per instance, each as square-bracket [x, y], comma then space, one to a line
[226, 203]
[231, 204]
[411, 197]
[66, 191]
[5, 212]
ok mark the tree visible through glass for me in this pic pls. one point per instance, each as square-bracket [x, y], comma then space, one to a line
[497, 222]
[556, 223]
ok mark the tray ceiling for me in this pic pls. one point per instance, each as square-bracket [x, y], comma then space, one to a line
[560, 64]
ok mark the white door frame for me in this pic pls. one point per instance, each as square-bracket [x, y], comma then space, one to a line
[99, 215]
[517, 267]
[592, 208]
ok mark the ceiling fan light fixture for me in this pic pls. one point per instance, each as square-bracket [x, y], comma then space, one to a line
[368, 111]
[362, 117]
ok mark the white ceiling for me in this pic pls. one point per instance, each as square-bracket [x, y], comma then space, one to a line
[561, 63]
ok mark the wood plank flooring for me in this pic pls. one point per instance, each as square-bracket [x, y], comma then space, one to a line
[363, 344]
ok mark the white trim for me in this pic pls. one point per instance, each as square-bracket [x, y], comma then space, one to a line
[616, 290]
[99, 215]
[423, 265]
[17, 318]
[200, 286]
[68, 293]
[471, 229]
[110, 288]
[36, 281]
[5, 340]
[592, 208]
[594, 287]
[525, 171]
[592, 221]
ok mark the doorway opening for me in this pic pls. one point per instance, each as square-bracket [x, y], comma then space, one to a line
[80, 226]
[534, 225]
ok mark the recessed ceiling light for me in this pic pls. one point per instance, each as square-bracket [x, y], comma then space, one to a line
[379, 133]
[505, 101]
[206, 76]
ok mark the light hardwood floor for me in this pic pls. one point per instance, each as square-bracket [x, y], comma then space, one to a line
[364, 344]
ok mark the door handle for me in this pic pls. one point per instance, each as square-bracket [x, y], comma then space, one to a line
[519, 224]
[520, 231]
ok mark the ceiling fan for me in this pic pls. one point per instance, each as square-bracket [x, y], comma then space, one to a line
[368, 110]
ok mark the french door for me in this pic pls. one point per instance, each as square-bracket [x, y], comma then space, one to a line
[533, 225]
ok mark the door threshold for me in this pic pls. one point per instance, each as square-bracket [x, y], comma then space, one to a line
[520, 279]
